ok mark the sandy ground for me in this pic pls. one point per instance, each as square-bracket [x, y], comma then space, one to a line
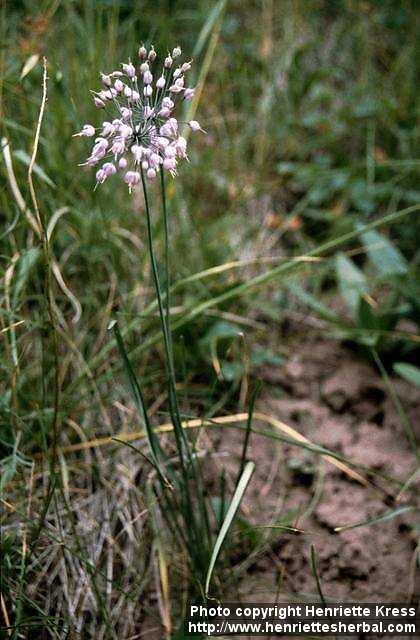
[337, 400]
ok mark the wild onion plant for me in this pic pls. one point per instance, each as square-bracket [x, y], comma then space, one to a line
[141, 140]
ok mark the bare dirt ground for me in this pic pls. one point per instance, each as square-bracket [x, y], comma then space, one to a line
[334, 398]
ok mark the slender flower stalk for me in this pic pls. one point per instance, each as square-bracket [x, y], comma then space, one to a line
[141, 142]
[186, 461]
[164, 318]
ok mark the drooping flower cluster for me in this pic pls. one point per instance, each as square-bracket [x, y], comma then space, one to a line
[144, 136]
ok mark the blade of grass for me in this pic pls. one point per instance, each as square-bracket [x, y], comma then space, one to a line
[384, 517]
[254, 395]
[315, 573]
[140, 452]
[213, 24]
[405, 421]
[227, 522]
[411, 478]
[138, 398]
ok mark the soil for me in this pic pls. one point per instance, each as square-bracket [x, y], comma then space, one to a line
[334, 398]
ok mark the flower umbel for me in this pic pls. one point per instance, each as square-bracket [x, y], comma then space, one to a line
[144, 134]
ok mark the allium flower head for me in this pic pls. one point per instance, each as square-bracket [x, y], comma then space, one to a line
[140, 135]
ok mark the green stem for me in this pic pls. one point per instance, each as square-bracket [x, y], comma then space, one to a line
[180, 437]
[167, 282]
[196, 471]
[173, 401]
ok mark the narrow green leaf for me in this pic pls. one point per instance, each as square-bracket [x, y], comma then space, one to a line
[351, 282]
[384, 517]
[138, 398]
[21, 155]
[366, 316]
[25, 265]
[220, 330]
[386, 259]
[282, 527]
[315, 572]
[403, 415]
[408, 371]
[207, 27]
[313, 303]
[233, 507]
[253, 398]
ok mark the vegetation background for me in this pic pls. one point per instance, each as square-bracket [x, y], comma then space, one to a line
[311, 112]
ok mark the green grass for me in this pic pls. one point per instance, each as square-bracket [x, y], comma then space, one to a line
[310, 110]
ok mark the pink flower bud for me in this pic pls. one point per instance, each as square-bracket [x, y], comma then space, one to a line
[100, 147]
[169, 164]
[119, 86]
[168, 62]
[147, 77]
[98, 152]
[165, 130]
[108, 129]
[132, 178]
[126, 113]
[154, 160]
[118, 146]
[177, 72]
[195, 126]
[109, 168]
[137, 151]
[127, 91]
[181, 147]
[144, 67]
[147, 91]
[173, 123]
[170, 151]
[176, 52]
[90, 162]
[186, 66]
[125, 131]
[152, 54]
[165, 112]
[151, 174]
[189, 93]
[167, 102]
[160, 82]
[142, 52]
[129, 69]
[99, 104]
[145, 165]
[175, 88]
[87, 131]
[162, 142]
[148, 112]
[101, 176]
[122, 163]
[106, 80]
